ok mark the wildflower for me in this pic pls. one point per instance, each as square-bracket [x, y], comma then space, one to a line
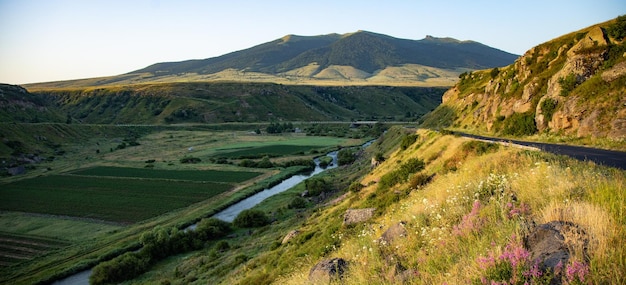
[576, 272]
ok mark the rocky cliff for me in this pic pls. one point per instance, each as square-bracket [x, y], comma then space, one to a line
[574, 85]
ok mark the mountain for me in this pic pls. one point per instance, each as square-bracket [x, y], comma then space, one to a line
[573, 86]
[360, 58]
[362, 50]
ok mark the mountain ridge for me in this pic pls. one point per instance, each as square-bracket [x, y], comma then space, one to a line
[278, 61]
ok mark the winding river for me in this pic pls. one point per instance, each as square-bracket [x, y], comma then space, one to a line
[229, 214]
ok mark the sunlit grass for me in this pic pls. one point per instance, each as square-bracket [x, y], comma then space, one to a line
[513, 188]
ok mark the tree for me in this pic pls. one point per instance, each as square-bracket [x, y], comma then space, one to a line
[212, 228]
[316, 186]
[345, 156]
[251, 219]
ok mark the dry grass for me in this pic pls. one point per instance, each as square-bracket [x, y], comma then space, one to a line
[552, 188]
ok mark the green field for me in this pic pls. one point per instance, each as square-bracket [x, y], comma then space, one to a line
[16, 248]
[269, 150]
[120, 200]
[189, 175]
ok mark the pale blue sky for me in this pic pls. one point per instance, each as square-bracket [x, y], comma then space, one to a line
[48, 40]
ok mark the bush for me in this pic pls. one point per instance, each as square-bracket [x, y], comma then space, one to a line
[401, 174]
[548, 107]
[408, 140]
[479, 147]
[520, 124]
[345, 156]
[494, 72]
[419, 180]
[190, 160]
[297, 203]
[316, 186]
[212, 228]
[355, 186]
[618, 30]
[221, 246]
[568, 83]
[251, 219]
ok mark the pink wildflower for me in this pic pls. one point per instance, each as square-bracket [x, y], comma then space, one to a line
[470, 222]
[576, 271]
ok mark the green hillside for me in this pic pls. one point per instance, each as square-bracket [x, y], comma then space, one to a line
[362, 50]
[239, 102]
[18, 105]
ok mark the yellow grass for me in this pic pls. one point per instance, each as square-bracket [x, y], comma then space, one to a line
[555, 189]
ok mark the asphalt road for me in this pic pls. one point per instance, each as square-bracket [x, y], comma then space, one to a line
[610, 158]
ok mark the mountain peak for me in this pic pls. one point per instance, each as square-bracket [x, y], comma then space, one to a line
[364, 51]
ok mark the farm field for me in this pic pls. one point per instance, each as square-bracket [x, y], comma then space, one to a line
[188, 175]
[16, 248]
[120, 200]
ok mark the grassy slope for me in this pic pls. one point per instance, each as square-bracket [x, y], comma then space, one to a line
[441, 246]
[554, 188]
[239, 102]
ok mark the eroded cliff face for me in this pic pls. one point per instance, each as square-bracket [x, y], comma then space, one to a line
[574, 85]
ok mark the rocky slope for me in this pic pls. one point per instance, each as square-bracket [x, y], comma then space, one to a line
[573, 85]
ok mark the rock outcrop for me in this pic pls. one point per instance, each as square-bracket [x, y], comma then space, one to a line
[573, 85]
[354, 216]
[328, 270]
[552, 245]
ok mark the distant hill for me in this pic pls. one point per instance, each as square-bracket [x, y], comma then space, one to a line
[215, 102]
[360, 58]
[573, 86]
[19, 106]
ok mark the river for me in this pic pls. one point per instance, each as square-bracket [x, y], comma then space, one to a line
[229, 214]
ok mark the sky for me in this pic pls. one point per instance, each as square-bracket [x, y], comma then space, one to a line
[51, 40]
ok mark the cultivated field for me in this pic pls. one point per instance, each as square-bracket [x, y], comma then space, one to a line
[188, 175]
[115, 199]
[16, 248]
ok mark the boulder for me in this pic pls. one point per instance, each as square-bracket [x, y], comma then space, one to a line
[354, 216]
[551, 244]
[289, 236]
[392, 233]
[328, 270]
[16, 170]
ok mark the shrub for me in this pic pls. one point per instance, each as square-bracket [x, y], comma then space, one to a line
[494, 72]
[221, 246]
[548, 107]
[408, 140]
[419, 180]
[520, 124]
[401, 174]
[251, 218]
[618, 30]
[355, 187]
[568, 83]
[297, 203]
[212, 228]
[345, 156]
[316, 186]
[479, 147]
[192, 160]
